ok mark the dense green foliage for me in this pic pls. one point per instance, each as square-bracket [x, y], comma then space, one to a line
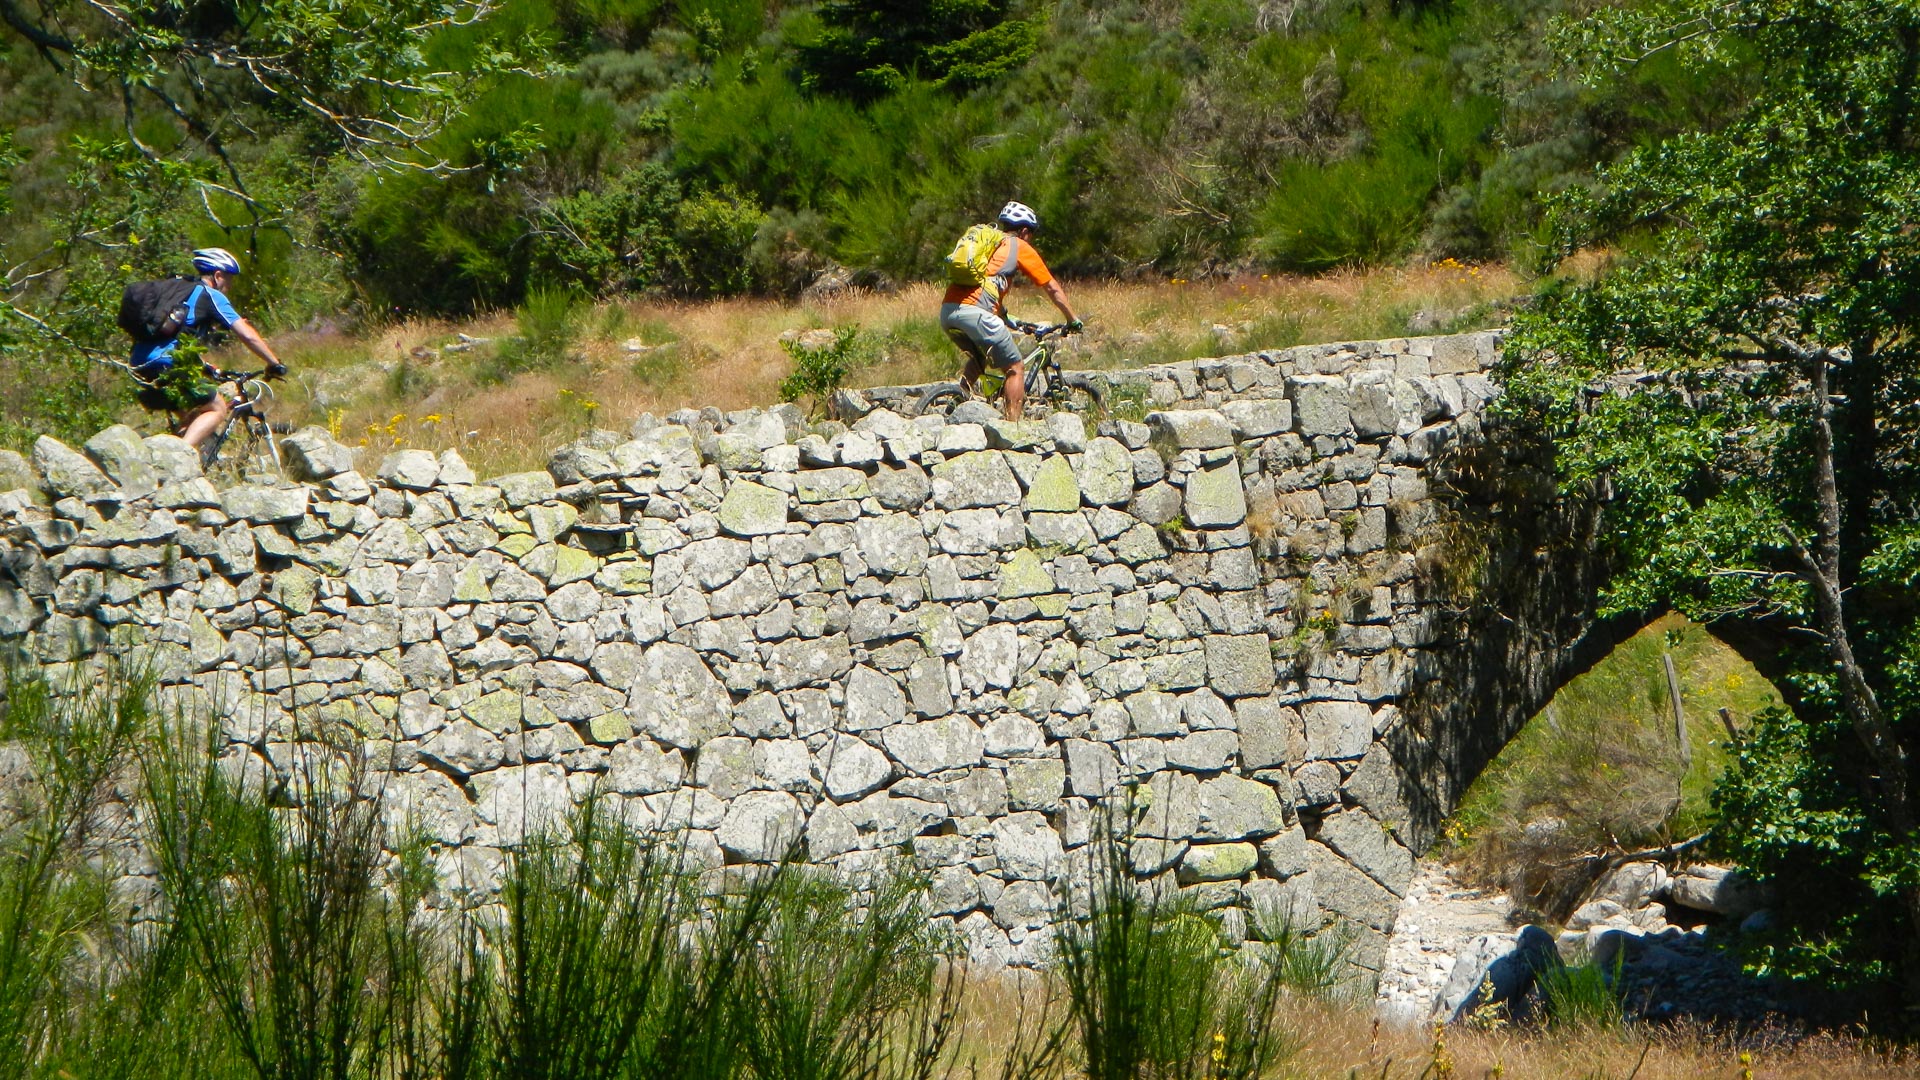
[717, 146]
[445, 156]
[1765, 480]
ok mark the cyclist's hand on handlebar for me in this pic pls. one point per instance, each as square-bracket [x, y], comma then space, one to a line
[276, 370]
[1075, 326]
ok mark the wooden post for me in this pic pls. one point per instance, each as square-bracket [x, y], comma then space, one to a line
[1679, 714]
[1726, 720]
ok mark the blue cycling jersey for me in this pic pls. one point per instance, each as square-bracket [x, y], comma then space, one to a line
[151, 358]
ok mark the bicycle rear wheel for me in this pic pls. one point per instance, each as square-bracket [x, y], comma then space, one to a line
[940, 397]
[1086, 394]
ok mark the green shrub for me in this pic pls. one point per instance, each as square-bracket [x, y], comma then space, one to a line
[713, 236]
[549, 322]
[596, 981]
[1583, 995]
[819, 371]
[843, 993]
[76, 736]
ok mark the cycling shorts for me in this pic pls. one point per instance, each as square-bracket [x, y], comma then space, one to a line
[980, 333]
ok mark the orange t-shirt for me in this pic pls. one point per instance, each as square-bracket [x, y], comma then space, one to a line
[1029, 264]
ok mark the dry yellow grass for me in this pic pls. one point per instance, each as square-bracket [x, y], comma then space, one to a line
[1346, 1042]
[397, 385]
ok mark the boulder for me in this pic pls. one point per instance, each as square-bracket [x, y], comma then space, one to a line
[760, 825]
[1215, 498]
[15, 472]
[677, 700]
[1259, 418]
[174, 461]
[312, 454]
[854, 769]
[1217, 862]
[1190, 429]
[581, 461]
[750, 509]
[1493, 969]
[977, 479]
[263, 505]
[415, 470]
[1718, 890]
[1320, 405]
[124, 457]
[1632, 885]
[1106, 473]
[68, 473]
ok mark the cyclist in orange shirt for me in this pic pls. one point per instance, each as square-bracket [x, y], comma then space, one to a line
[975, 317]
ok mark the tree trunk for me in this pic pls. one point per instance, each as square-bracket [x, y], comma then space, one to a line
[1825, 566]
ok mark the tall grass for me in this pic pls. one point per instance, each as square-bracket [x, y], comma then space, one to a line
[63, 751]
[1153, 988]
[1584, 995]
[280, 909]
[834, 996]
[292, 933]
[288, 929]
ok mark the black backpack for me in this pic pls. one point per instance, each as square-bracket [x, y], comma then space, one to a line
[156, 311]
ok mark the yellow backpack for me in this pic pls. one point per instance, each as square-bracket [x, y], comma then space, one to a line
[968, 262]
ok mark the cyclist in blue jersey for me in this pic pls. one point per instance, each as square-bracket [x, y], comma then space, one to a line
[208, 312]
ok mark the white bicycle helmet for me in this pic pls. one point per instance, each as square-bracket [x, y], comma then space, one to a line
[1016, 215]
[208, 260]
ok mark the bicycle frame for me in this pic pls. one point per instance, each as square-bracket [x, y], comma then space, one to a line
[993, 380]
[1038, 365]
[247, 413]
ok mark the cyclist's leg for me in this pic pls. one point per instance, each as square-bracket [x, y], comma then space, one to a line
[1016, 389]
[208, 418]
[991, 343]
[957, 321]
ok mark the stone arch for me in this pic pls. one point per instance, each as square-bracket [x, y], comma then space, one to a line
[1304, 605]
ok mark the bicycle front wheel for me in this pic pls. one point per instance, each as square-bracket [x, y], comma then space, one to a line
[242, 450]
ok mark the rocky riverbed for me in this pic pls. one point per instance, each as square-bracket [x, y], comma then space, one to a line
[1664, 936]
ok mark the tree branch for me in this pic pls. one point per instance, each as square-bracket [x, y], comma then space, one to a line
[42, 38]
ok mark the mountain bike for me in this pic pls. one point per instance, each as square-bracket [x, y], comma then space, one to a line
[247, 444]
[1046, 383]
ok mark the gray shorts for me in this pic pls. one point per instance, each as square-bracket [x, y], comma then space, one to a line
[980, 333]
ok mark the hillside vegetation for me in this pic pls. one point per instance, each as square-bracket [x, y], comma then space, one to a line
[699, 148]
[416, 383]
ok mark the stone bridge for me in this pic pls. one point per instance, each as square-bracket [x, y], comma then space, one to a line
[1290, 609]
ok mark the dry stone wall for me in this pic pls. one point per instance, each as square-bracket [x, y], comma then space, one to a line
[957, 640]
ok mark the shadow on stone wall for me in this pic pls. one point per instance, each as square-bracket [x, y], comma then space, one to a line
[1509, 579]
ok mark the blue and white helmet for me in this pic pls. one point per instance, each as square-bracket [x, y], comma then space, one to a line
[1017, 215]
[208, 260]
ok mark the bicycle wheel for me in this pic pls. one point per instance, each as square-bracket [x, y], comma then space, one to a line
[1083, 394]
[940, 396]
[244, 449]
[214, 450]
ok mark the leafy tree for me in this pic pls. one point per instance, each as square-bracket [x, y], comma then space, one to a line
[201, 88]
[868, 48]
[1761, 470]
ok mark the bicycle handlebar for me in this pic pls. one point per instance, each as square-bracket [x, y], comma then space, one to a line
[246, 376]
[1040, 330]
